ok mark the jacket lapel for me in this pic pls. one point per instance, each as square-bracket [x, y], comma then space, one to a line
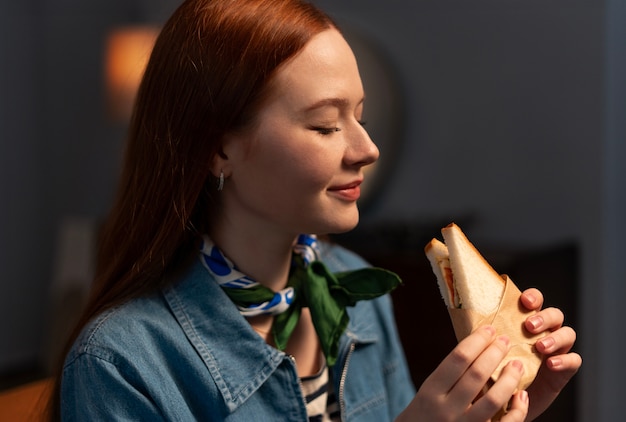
[237, 358]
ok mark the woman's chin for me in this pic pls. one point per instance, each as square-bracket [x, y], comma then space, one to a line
[342, 226]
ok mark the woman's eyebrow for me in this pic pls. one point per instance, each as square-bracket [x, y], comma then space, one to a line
[337, 102]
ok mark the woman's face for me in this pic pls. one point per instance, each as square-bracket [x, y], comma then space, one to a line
[299, 167]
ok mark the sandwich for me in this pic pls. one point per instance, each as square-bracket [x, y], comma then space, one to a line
[476, 295]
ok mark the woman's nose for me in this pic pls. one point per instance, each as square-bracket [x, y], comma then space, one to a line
[361, 150]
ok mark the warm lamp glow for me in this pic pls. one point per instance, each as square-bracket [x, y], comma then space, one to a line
[127, 52]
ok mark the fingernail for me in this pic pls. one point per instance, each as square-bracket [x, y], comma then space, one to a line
[490, 329]
[523, 395]
[547, 342]
[555, 363]
[535, 321]
[504, 339]
[531, 298]
[518, 365]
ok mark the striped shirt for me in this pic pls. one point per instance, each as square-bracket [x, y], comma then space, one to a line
[321, 402]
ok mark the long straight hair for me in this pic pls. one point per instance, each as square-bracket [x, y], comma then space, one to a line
[207, 76]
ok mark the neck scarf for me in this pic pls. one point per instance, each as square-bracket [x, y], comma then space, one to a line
[310, 285]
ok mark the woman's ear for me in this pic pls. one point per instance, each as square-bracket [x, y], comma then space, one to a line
[220, 161]
[228, 155]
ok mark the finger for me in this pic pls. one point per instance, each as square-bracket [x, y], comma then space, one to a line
[532, 299]
[554, 375]
[519, 407]
[569, 363]
[498, 396]
[477, 375]
[551, 379]
[558, 342]
[446, 375]
[546, 319]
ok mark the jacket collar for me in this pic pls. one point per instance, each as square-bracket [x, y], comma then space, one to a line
[237, 358]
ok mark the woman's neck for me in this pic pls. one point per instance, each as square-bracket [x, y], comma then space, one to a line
[263, 256]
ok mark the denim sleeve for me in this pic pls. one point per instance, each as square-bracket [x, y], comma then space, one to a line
[111, 397]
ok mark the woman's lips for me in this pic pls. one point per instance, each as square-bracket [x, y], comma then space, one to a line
[347, 192]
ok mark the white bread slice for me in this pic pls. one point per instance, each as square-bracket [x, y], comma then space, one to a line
[479, 286]
[437, 254]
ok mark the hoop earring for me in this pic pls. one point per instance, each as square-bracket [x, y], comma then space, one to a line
[220, 184]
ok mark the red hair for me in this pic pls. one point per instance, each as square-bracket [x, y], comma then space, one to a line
[207, 75]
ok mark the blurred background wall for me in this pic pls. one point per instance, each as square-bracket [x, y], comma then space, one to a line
[513, 118]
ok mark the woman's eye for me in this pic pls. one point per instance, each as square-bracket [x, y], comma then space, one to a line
[325, 130]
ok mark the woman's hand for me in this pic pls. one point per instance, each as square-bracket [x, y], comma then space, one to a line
[449, 393]
[560, 364]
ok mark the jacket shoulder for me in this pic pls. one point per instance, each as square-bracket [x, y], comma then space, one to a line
[124, 329]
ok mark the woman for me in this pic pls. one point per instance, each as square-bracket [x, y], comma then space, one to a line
[246, 134]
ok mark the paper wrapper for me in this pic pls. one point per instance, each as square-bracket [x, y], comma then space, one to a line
[507, 319]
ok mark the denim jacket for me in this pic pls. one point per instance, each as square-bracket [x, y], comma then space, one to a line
[187, 354]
